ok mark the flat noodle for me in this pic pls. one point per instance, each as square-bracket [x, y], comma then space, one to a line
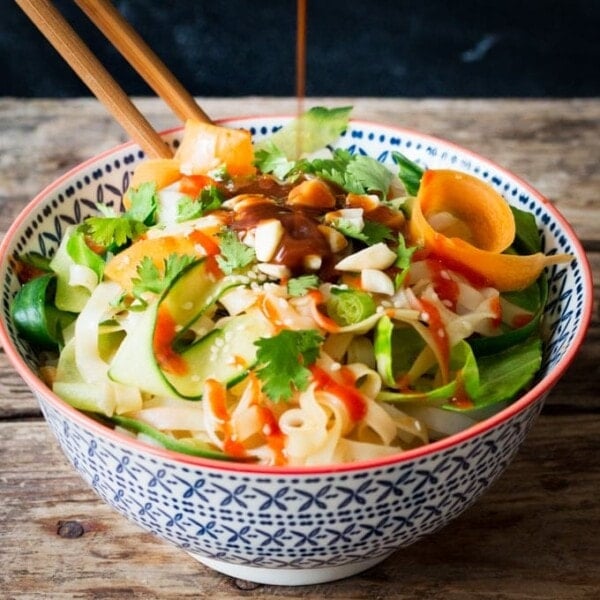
[438, 421]
[245, 417]
[368, 381]
[305, 427]
[411, 431]
[173, 418]
[329, 452]
[337, 344]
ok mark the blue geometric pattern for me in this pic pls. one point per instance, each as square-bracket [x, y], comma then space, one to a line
[299, 520]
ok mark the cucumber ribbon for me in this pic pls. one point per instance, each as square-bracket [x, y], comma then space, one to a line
[35, 315]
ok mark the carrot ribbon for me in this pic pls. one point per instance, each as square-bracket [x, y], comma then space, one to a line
[461, 219]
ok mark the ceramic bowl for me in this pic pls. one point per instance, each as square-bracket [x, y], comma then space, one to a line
[296, 525]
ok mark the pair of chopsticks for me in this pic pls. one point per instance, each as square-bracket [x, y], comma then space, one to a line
[91, 71]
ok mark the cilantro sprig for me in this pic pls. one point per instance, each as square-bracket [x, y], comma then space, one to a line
[283, 362]
[154, 280]
[355, 173]
[114, 231]
[404, 255]
[144, 203]
[234, 254]
[298, 286]
[372, 232]
[271, 159]
[189, 208]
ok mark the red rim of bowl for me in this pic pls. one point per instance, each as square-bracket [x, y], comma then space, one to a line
[537, 392]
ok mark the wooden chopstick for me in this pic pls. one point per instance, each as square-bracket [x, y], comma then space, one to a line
[81, 59]
[142, 58]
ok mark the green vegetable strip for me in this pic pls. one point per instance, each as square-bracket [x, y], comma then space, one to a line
[35, 315]
[410, 173]
[185, 446]
[82, 254]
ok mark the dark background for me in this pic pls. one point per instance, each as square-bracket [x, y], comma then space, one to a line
[403, 48]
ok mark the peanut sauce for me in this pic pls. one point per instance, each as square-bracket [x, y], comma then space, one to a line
[265, 185]
[301, 236]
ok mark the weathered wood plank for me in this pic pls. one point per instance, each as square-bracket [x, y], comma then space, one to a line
[530, 536]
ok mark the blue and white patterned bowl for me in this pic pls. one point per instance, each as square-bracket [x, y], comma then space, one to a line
[296, 525]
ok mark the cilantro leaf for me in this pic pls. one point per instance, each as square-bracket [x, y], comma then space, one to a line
[404, 253]
[376, 232]
[234, 254]
[372, 232]
[192, 208]
[367, 174]
[148, 278]
[188, 209]
[298, 286]
[113, 231]
[272, 160]
[144, 203]
[403, 258]
[331, 169]
[354, 173]
[283, 362]
[151, 279]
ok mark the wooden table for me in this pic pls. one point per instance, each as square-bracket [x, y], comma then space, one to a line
[534, 534]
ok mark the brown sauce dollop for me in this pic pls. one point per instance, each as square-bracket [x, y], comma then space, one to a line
[301, 236]
[265, 185]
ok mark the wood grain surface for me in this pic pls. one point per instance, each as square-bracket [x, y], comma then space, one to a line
[535, 534]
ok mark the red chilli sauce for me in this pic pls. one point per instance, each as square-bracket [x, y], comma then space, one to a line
[346, 392]
[218, 402]
[165, 331]
[439, 334]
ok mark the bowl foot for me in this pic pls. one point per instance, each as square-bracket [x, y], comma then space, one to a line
[283, 576]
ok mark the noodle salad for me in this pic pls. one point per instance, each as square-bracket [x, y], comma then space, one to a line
[287, 303]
